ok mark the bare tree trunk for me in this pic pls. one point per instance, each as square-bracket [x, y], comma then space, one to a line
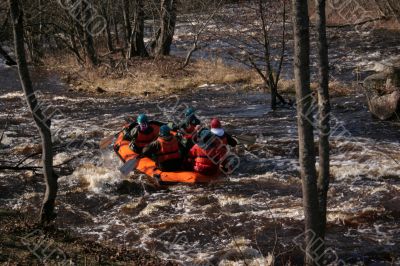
[168, 21]
[305, 127]
[127, 22]
[324, 113]
[9, 60]
[191, 51]
[42, 122]
[107, 16]
[91, 56]
[136, 44]
[115, 22]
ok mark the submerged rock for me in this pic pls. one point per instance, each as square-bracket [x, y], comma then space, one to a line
[383, 93]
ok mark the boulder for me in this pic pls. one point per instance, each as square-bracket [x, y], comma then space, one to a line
[386, 106]
[383, 93]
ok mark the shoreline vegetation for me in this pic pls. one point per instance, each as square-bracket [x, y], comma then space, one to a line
[151, 77]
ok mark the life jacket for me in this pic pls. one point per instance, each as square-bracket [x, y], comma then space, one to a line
[202, 160]
[221, 144]
[188, 132]
[169, 149]
[143, 139]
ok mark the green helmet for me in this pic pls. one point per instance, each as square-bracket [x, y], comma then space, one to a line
[142, 119]
[165, 131]
[189, 111]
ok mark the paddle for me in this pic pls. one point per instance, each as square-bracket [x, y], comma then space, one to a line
[104, 143]
[129, 166]
[245, 139]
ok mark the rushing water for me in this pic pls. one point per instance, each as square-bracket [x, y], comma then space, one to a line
[253, 214]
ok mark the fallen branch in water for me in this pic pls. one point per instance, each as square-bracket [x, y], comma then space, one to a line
[17, 167]
[358, 24]
[5, 128]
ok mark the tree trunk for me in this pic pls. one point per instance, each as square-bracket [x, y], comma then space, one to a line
[274, 92]
[91, 56]
[305, 127]
[107, 17]
[168, 20]
[115, 22]
[324, 115]
[9, 60]
[136, 44]
[42, 122]
[127, 22]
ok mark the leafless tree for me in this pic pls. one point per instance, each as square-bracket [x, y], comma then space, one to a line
[324, 115]
[43, 123]
[253, 36]
[167, 27]
[136, 42]
[199, 21]
[305, 128]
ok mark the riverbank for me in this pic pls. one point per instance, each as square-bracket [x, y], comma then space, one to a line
[150, 77]
[24, 242]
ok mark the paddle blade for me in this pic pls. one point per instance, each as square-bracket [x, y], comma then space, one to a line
[245, 139]
[104, 143]
[128, 166]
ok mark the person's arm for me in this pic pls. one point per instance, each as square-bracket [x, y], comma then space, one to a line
[194, 121]
[192, 153]
[133, 133]
[183, 124]
[231, 141]
[151, 149]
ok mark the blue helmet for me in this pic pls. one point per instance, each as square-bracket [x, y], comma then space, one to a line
[189, 111]
[165, 131]
[142, 119]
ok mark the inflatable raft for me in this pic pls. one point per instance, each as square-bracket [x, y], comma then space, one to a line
[149, 167]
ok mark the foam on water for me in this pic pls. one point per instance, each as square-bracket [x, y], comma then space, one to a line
[12, 95]
[97, 177]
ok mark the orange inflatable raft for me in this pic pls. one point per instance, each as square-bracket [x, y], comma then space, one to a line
[148, 166]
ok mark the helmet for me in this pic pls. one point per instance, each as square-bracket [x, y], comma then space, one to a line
[215, 123]
[142, 119]
[165, 131]
[189, 112]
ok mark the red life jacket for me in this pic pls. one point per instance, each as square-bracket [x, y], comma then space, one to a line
[169, 149]
[224, 139]
[188, 132]
[221, 145]
[202, 160]
[142, 139]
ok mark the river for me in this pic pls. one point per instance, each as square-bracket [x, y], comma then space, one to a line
[254, 214]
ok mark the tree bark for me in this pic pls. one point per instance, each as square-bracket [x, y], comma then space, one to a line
[305, 127]
[324, 115]
[107, 16]
[136, 44]
[91, 55]
[168, 21]
[42, 122]
[127, 22]
[115, 24]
